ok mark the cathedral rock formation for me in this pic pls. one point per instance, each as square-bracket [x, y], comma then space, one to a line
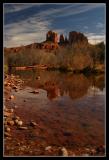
[52, 36]
[52, 42]
[75, 37]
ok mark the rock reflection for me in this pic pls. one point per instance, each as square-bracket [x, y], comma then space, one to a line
[59, 84]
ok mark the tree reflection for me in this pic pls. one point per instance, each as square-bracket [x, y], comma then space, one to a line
[59, 84]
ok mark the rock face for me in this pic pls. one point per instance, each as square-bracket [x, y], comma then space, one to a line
[75, 37]
[52, 36]
[49, 46]
[62, 40]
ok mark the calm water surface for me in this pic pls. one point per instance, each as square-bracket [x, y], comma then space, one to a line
[71, 107]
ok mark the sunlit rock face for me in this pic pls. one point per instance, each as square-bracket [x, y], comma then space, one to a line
[52, 36]
[75, 37]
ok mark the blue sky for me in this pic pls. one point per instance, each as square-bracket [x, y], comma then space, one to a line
[29, 22]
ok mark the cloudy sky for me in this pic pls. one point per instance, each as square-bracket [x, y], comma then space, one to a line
[29, 22]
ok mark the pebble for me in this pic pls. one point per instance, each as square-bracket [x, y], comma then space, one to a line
[87, 149]
[7, 129]
[16, 118]
[93, 151]
[16, 121]
[8, 110]
[33, 124]
[48, 148]
[11, 97]
[10, 123]
[15, 87]
[23, 128]
[35, 92]
[85, 155]
[11, 110]
[9, 138]
[15, 106]
[7, 114]
[63, 152]
[19, 123]
[38, 77]
[7, 134]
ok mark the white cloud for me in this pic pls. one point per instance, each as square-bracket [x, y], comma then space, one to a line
[24, 32]
[94, 38]
[35, 27]
[80, 9]
[100, 25]
[9, 8]
[86, 27]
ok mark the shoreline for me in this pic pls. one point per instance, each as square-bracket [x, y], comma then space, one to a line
[87, 70]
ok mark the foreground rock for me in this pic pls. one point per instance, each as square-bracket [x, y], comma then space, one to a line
[63, 151]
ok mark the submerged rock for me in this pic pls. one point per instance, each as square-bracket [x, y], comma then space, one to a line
[48, 148]
[7, 134]
[7, 129]
[10, 122]
[19, 123]
[16, 121]
[11, 97]
[23, 128]
[35, 92]
[33, 124]
[7, 114]
[15, 87]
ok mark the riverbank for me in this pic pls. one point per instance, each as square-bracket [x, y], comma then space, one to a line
[26, 135]
[98, 69]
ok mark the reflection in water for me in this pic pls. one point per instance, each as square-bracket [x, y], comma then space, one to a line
[63, 84]
[77, 106]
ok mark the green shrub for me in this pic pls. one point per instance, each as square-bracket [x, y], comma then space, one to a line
[5, 68]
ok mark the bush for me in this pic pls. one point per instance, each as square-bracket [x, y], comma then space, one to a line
[5, 68]
[76, 57]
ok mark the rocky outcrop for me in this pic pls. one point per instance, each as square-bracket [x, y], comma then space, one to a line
[52, 36]
[77, 37]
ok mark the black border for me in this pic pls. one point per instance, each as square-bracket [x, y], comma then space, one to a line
[1, 67]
